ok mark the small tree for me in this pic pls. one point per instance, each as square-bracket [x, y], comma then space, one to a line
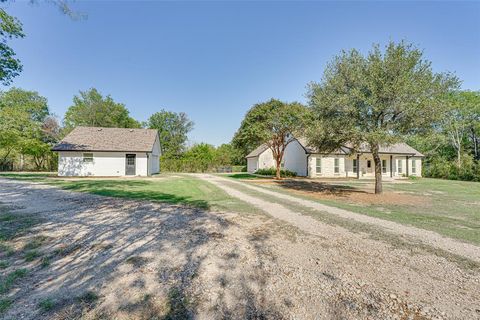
[375, 99]
[274, 123]
[173, 129]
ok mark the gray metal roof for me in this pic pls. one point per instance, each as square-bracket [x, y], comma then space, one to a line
[108, 139]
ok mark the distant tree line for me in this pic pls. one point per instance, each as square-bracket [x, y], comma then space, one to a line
[28, 130]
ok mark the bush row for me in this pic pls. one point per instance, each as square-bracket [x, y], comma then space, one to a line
[273, 172]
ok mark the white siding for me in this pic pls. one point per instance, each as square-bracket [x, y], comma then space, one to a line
[265, 160]
[104, 164]
[154, 158]
[295, 158]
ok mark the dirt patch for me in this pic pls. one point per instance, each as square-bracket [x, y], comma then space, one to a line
[354, 195]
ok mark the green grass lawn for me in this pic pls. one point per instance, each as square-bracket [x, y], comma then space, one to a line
[169, 188]
[452, 208]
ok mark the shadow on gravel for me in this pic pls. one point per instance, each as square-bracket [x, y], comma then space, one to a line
[150, 254]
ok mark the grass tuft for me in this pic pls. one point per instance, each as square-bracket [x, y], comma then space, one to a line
[5, 304]
[46, 304]
[31, 255]
[7, 282]
[88, 297]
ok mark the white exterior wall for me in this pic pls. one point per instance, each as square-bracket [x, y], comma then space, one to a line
[328, 166]
[104, 164]
[154, 158]
[295, 158]
[263, 161]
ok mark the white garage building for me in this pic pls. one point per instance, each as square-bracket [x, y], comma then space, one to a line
[108, 152]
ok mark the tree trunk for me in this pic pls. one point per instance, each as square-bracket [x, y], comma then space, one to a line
[378, 169]
[278, 161]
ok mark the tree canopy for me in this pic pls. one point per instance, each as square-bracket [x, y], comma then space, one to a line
[274, 123]
[26, 127]
[376, 99]
[91, 109]
[173, 129]
[10, 28]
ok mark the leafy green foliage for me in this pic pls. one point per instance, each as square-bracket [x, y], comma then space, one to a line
[91, 109]
[452, 149]
[377, 99]
[274, 123]
[26, 127]
[10, 28]
[273, 171]
[172, 130]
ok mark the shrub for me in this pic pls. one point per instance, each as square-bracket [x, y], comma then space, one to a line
[273, 172]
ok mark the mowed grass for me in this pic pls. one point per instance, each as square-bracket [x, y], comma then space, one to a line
[451, 208]
[170, 188]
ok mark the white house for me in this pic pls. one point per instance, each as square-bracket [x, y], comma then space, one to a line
[398, 160]
[95, 151]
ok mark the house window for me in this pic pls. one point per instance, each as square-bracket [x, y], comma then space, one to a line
[337, 165]
[318, 165]
[88, 157]
[355, 165]
[399, 166]
[384, 166]
[414, 166]
[369, 163]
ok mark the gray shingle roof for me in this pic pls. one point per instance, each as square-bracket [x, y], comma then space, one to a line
[397, 148]
[258, 151]
[108, 139]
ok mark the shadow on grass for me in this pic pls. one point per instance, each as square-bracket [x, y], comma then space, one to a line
[26, 176]
[319, 187]
[245, 176]
[140, 190]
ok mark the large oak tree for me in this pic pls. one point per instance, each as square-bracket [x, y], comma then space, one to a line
[377, 98]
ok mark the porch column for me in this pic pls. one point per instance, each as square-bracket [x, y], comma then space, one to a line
[358, 166]
[391, 166]
[407, 164]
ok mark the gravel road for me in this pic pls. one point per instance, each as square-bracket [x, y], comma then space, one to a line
[146, 260]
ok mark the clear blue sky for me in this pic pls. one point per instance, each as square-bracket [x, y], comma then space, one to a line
[214, 60]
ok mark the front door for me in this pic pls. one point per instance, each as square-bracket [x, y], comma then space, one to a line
[130, 164]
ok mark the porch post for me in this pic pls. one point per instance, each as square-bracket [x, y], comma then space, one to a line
[407, 164]
[391, 166]
[358, 166]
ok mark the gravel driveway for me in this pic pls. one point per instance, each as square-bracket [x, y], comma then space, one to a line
[146, 260]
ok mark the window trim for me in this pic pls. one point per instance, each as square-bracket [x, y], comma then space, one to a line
[86, 157]
[336, 165]
[414, 166]
[384, 167]
[399, 166]
[318, 164]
